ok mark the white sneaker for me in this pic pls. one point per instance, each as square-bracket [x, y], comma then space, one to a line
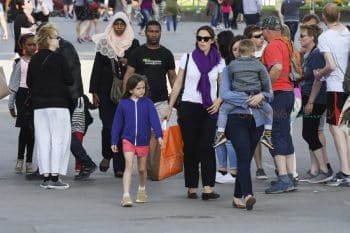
[226, 179]
[219, 178]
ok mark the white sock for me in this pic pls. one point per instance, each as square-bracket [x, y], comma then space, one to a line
[142, 188]
[126, 195]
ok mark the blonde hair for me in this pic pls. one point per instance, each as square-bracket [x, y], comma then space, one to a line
[48, 31]
[246, 47]
[331, 12]
[285, 31]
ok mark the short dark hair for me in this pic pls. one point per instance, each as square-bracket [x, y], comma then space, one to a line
[153, 23]
[224, 39]
[309, 17]
[249, 30]
[246, 47]
[312, 30]
[132, 83]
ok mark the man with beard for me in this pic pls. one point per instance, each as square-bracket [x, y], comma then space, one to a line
[156, 63]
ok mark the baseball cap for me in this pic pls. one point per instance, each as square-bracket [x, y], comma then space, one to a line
[271, 23]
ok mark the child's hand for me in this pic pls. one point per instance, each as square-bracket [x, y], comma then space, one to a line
[160, 141]
[114, 148]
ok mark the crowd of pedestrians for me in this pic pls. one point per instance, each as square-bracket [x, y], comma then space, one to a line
[230, 92]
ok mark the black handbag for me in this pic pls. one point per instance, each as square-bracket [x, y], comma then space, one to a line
[179, 97]
[117, 85]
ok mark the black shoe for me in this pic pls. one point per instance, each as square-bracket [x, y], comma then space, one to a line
[212, 195]
[80, 40]
[83, 175]
[91, 168]
[118, 174]
[104, 165]
[34, 176]
[192, 195]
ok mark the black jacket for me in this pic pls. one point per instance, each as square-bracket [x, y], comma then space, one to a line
[48, 79]
[69, 53]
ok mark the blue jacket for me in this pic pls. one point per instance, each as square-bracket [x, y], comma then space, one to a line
[135, 119]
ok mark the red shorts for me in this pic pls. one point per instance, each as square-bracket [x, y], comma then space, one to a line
[139, 151]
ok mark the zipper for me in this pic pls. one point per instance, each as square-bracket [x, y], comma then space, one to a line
[135, 123]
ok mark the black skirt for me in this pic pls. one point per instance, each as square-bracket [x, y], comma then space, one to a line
[25, 112]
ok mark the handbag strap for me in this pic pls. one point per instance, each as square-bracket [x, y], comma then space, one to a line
[184, 77]
[114, 72]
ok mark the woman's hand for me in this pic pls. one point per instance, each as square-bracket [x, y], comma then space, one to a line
[114, 148]
[13, 113]
[95, 100]
[308, 108]
[160, 141]
[214, 108]
[254, 101]
[166, 115]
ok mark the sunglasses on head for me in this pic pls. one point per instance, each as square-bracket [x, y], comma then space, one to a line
[258, 36]
[203, 38]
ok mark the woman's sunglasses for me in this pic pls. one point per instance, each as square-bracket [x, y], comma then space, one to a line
[258, 36]
[203, 38]
[303, 35]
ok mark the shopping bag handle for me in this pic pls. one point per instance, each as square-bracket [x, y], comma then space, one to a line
[164, 124]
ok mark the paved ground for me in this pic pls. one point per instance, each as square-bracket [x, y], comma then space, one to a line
[93, 206]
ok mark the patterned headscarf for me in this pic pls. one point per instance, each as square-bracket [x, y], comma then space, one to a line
[109, 43]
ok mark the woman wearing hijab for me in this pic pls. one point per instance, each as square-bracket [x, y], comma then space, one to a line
[198, 109]
[113, 47]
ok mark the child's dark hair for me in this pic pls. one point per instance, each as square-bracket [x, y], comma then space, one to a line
[132, 83]
[22, 40]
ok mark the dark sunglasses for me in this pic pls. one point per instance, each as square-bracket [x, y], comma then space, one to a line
[205, 38]
[302, 35]
[258, 36]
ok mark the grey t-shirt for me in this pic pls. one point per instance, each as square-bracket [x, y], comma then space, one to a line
[290, 10]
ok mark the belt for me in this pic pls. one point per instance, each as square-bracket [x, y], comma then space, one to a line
[241, 115]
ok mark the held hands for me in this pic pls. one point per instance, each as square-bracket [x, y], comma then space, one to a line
[95, 100]
[214, 108]
[254, 101]
[114, 148]
[160, 141]
[13, 113]
[166, 115]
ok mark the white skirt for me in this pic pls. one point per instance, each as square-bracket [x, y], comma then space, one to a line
[52, 139]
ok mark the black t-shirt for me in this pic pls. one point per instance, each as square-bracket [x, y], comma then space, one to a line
[155, 64]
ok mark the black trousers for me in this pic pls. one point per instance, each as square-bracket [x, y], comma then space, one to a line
[106, 111]
[26, 141]
[311, 122]
[198, 131]
[252, 19]
[79, 152]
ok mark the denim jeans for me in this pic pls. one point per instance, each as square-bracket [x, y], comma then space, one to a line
[293, 27]
[224, 152]
[147, 14]
[244, 136]
[216, 16]
[172, 18]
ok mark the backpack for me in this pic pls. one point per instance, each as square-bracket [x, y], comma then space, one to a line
[296, 70]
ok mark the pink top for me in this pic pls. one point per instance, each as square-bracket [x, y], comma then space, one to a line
[24, 69]
[226, 7]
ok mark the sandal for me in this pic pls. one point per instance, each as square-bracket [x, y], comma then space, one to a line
[238, 205]
[249, 202]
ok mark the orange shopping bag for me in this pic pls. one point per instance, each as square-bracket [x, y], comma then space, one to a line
[171, 153]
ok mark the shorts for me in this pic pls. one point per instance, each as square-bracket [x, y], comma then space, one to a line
[282, 106]
[79, 12]
[335, 103]
[139, 151]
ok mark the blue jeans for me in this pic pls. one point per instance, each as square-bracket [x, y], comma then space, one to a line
[147, 14]
[244, 136]
[216, 16]
[293, 27]
[224, 152]
[170, 18]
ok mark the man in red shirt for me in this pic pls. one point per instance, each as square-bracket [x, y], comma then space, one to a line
[276, 59]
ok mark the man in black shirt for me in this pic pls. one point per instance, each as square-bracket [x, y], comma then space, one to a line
[158, 65]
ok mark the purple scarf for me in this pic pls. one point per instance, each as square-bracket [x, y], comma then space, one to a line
[205, 64]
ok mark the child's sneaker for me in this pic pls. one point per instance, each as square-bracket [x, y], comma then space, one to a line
[220, 139]
[141, 196]
[19, 166]
[29, 168]
[126, 201]
[266, 139]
